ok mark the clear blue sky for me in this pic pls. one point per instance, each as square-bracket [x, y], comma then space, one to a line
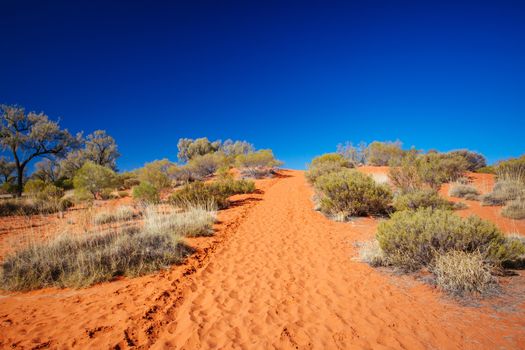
[298, 77]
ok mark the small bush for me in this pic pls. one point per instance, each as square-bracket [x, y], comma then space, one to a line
[326, 164]
[474, 160]
[514, 209]
[486, 170]
[371, 253]
[199, 194]
[512, 170]
[411, 239]
[461, 273]
[156, 173]
[146, 192]
[123, 213]
[463, 191]
[384, 153]
[258, 164]
[93, 178]
[205, 165]
[351, 193]
[503, 191]
[421, 199]
[122, 194]
[23, 206]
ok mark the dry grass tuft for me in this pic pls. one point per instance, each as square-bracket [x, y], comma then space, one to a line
[123, 213]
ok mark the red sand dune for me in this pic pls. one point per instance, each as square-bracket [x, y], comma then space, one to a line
[276, 275]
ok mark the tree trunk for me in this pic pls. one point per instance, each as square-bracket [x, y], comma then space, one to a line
[19, 181]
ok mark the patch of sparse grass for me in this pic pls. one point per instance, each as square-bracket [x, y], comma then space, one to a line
[461, 273]
[514, 209]
[462, 191]
[195, 221]
[31, 206]
[504, 191]
[370, 252]
[122, 213]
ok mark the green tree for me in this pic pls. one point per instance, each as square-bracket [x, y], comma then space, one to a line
[94, 178]
[29, 136]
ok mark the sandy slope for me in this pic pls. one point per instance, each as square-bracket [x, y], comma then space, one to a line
[279, 276]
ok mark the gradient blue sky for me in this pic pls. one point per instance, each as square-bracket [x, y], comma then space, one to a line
[295, 76]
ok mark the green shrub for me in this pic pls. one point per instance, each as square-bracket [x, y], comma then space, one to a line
[94, 179]
[351, 193]
[33, 187]
[384, 153]
[156, 173]
[514, 209]
[325, 164]
[199, 194]
[474, 160]
[486, 170]
[146, 192]
[411, 239]
[421, 199]
[512, 170]
[258, 164]
[463, 191]
[205, 165]
[462, 273]
[123, 194]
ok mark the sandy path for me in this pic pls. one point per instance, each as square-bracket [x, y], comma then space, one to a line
[286, 280]
[279, 275]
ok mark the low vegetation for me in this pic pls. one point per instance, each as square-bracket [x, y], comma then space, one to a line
[325, 164]
[514, 209]
[122, 213]
[348, 193]
[145, 192]
[81, 260]
[416, 199]
[463, 191]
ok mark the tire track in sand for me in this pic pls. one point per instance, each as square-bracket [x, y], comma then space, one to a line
[286, 279]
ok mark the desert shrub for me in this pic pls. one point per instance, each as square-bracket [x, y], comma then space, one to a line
[8, 188]
[463, 191]
[75, 261]
[351, 193]
[486, 170]
[370, 252]
[33, 187]
[411, 239]
[198, 194]
[504, 191]
[205, 165]
[514, 209]
[122, 213]
[202, 195]
[31, 206]
[127, 180]
[416, 171]
[258, 164]
[512, 170]
[94, 178]
[421, 199]
[156, 173]
[107, 193]
[474, 160]
[459, 206]
[460, 273]
[383, 153]
[195, 221]
[325, 164]
[146, 192]
[122, 194]
[190, 149]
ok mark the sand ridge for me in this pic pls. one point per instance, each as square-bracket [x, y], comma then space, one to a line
[280, 276]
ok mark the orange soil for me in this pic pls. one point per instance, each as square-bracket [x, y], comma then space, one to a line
[276, 275]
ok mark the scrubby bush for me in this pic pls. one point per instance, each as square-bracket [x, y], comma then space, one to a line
[205, 165]
[504, 191]
[463, 191]
[486, 170]
[189, 148]
[474, 160]
[460, 273]
[122, 213]
[512, 170]
[215, 194]
[325, 164]
[421, 199]
[416, 171]
[383, 153]
[94, 178]
[411, 239]
[156, 173]
[351, 193]
[31, 206]
[514, 209]
[146, 192]
[258, 164]
[371, 253]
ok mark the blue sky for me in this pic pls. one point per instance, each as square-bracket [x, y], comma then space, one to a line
[295, 76]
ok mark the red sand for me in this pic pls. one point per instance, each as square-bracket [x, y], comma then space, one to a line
[276, 275]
